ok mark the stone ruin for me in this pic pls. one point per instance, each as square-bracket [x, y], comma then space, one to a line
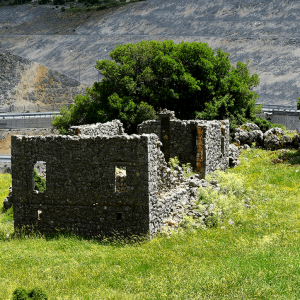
[101, 181]
[203, 144]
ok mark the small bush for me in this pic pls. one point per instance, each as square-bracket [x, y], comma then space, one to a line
[211, 221]
[20, 294]
[40, 182]
[37, 294]
[59, 2]
[298, 103]
[187, 168]
[34, 294]
[265, 125]
[63, 8]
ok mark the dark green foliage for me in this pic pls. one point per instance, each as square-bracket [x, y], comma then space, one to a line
[40, 182]
[18, 2]
[298, 103]
[59, 2]
[37, 294]
[34, 294]
[265, 125]
[103, 4]
[20, 294]
[189, 78]
[63, 8]
[211, 221]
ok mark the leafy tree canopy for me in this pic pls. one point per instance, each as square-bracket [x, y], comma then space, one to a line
[142, 78]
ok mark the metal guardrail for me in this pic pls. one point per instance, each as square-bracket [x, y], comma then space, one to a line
[268, 107]
[27, 115]
[5, 158]
[283, 107]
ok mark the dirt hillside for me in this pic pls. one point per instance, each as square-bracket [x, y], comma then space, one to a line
[265, 32]
[30, 86]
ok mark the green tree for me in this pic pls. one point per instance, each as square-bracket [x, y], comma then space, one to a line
[142, 78]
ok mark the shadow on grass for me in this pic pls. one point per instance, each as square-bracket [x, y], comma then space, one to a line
[288, 157]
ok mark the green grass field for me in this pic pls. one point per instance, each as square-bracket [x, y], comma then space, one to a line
[252, 253]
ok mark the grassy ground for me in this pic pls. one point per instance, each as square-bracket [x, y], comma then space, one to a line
[252, 253]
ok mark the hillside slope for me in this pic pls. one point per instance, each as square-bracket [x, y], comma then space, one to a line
[263, 31]
[29, 86]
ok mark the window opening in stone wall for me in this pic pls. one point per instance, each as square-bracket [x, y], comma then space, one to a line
[39, 215]
[120, 179]
[223, 140]
[223, 145]
[39, 176]
[118, 216]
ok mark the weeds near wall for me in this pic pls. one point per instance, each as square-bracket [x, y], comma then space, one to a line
[187, 168]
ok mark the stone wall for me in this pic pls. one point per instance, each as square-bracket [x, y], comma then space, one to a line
[203, 144]
[81, 193]
[98, 185]
[33, 87]
[112, 128]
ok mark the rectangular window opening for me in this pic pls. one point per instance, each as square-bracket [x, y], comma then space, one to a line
[118, 216]
[39, 214]
[39, 176]
[120, 179]
[223, 145]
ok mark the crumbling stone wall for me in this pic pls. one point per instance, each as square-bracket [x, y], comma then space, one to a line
[112, 128]
[98, 185]
[81, 193]
[203, 144]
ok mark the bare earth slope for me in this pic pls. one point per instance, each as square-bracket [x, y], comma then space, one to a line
[263, 31]
[29, 85]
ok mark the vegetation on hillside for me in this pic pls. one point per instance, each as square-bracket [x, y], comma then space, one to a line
[75, 5]
[252, 252]
[189, 78]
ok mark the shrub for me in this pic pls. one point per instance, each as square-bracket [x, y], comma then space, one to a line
[63, 8]
[40, 182]
[189, 78]
[59, 2]
[20, 294]
[187, 168]
[211, 221]
[37, 294]
[298, 103]
[34, 294]
[265, 125]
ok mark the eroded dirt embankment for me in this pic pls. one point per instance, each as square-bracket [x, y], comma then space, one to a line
[29, 86]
